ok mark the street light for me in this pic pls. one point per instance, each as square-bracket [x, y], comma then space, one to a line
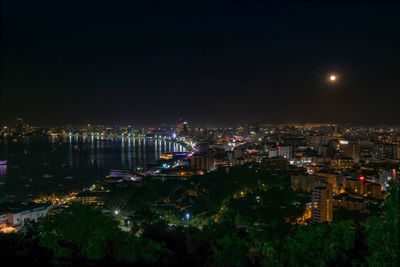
[187, 218]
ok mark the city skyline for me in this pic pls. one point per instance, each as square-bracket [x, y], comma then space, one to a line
[236, 61]
[200, 133]
[18, 121]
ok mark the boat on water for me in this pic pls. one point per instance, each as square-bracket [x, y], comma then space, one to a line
[122, 175]
[3, 162]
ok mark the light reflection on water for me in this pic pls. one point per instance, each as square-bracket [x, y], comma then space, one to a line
[72, 162]
[3, 170]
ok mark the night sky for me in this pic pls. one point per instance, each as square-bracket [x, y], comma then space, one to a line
[210, 62]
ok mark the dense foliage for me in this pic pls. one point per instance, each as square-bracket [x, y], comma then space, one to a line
[249, 224]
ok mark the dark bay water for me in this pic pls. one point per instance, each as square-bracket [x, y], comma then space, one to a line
[45, 165]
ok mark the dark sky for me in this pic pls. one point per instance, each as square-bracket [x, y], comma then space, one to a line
[149, 62]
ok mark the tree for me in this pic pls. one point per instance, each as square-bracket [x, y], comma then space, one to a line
[140, 250]
[229, 250]
[384, 232]
[313, 245]
[23, 250]
[79, 230]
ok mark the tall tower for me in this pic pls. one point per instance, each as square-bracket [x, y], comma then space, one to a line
[322, 203]
[181, 126]
[351, 149]
[19, 125]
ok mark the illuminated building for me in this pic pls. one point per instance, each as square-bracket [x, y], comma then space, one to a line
[322, 204]
[19, 125]
[384, 150]
[305, 182]
[254, 128]
[330, 178]
[356, 185]
[310, 125]
[396, 151]
[317, 141]
[203, 162]
[167, 156]
[350, 149]
[342, 164]
[88, 197]
[277, 164]
[374, 190]
[313, 142]
[280, 151]
[15, 215]
[181, 126]
[306, 216]
[349, 202]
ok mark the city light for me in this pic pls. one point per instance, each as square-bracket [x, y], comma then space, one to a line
[283, 141]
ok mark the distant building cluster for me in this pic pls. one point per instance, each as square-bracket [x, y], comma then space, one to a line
[342, 167]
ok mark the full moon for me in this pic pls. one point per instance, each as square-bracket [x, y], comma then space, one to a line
[332, 78]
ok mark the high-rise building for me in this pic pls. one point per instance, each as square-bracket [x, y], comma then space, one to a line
[203, 162]
[383, 150]
[181, 126]
[317, 141]
[351, 149]
[374, 190]
[330, 178]
[280, 151]
[322, 203]
[356, 185]
[277, 164]
[313, 142]
[19, 125]
[254, 128]
[305, 182]
[396, 151]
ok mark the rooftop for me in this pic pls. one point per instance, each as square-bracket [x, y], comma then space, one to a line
[10, 207]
